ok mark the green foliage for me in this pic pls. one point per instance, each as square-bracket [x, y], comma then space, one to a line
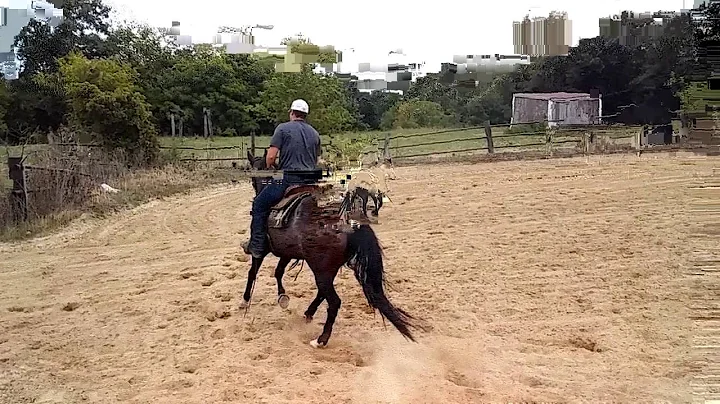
[388, 118]
[149, 79]
[372, 107]
[4, 103]
[326, 95]
[421, 114]
[228, 85]
[342, 151]
[104, 99]
[316, 54]
[84, 24]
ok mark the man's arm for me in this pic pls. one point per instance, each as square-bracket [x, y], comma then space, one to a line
[276, 143]
[271, 156]
[320, 160]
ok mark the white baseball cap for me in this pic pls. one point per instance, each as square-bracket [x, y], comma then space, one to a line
[300, 105]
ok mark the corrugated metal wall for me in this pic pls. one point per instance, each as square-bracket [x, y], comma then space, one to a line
[528, 110]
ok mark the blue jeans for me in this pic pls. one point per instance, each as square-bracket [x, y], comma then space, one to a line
[263, 202]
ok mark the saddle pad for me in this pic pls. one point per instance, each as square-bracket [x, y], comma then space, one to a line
[279, 215]
[288, 199]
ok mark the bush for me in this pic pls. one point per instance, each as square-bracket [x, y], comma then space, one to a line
[105, 102]
[421, 114]
[343, 150]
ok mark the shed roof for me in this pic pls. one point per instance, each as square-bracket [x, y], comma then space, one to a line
[553, 96]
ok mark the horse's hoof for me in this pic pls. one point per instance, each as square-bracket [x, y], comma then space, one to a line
[244, 304]
[284, 301]
[315, 344]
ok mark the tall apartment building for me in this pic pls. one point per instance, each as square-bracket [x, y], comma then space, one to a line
[631, 28]
[543, 36]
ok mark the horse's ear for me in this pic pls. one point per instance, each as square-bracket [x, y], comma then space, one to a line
[250, 157]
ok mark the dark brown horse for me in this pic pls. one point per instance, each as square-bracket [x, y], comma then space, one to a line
[298, 228]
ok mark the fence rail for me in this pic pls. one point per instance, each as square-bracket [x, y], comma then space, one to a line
[489, 139]
[493, 138]
[582, 137]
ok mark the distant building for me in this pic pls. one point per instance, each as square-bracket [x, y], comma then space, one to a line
[468, 70]
[632, 28]
[543, 36]
[496, 62]
[389, 76]
[697, 3]
[556, 108]
[12, 20]
[393, 72]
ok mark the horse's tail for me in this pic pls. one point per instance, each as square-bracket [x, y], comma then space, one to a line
[365, 258]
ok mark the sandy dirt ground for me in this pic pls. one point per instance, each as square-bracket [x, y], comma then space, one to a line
[547, 281]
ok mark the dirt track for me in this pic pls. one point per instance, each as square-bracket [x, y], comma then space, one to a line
[556, 280]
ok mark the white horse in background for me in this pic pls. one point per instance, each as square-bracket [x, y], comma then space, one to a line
[371, 182]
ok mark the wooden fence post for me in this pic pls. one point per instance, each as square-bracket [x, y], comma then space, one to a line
[386, 148]
[205, 131]
[18, 194]
[172, 125]
[590, 142]
[488, 138]
[207, 123]
[252, 142]
[549, 134]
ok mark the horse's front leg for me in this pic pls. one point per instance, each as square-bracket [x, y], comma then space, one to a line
[252, 274]
[376, 206]
[283, 299]
[364, 201]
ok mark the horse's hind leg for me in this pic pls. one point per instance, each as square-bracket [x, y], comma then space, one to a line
[283, 299]
[324, 281]
[312, 309]
[252, 274]
[364, 199]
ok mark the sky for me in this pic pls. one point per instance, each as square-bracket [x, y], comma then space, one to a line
[432, 32]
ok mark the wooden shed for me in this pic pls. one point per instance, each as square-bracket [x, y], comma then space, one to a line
[556, 108]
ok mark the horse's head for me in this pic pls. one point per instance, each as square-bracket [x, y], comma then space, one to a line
[258, 164]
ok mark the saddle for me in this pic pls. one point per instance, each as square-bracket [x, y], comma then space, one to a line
[282, 211]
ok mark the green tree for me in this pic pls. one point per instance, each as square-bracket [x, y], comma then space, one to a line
[330, 107]
[4, 103]
[40, 47]
[85, 23]
[421, 114]
[489, 106]
[105, 101]
[302, 45]
[372, 106]
[145, 49]
[229, 85]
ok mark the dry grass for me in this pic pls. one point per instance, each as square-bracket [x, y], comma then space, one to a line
[134, 188]
[68, 185]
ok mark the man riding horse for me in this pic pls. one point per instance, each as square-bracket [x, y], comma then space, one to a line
[300, 228]
[299, 144]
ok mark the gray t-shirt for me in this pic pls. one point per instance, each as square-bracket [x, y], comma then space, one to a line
[299, 145]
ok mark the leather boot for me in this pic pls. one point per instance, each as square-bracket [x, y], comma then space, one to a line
[257, 245]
